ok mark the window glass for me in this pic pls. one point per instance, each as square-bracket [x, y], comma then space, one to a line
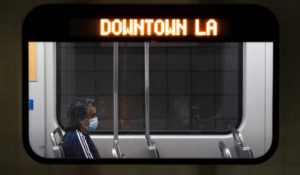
[131, 86]
[194, 87]
[85, 70]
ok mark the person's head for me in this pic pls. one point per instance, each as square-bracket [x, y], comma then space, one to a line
[82, 115]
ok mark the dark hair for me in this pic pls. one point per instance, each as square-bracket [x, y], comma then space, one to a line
[90, 101]
[78, 111]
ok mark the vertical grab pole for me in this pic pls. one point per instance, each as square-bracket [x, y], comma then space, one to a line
[116, 149]
[115, 89]
[147, 118]
[151, 147]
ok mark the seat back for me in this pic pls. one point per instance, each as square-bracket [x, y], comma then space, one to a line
[57, 149]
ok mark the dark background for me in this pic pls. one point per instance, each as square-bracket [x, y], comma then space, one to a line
[14, 159]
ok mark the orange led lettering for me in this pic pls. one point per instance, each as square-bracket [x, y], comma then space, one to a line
[149, 22]
[211, 25]
[170, 30]
[159, 24]
[114, 24]
[158, 27]
[197, 29]
[138, 26]
[105, 27]
[182, 27]
[126, 29]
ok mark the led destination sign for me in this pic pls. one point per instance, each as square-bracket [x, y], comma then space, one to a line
[149, 27]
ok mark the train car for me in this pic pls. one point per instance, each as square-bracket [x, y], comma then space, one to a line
[156, 98]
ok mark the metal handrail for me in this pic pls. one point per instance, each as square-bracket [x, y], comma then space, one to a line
[238, 137]
[152, 148]
[247, 152]
[240, 147]
[116, 152]
[225, 152]
[153, 152]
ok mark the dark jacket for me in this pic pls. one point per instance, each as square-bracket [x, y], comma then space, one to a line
[76, 144]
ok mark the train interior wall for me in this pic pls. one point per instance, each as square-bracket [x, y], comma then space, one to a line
[257, 103]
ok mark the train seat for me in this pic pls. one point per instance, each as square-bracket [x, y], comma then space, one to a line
[57, 149]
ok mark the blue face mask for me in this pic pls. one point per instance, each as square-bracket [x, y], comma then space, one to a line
[93, 124]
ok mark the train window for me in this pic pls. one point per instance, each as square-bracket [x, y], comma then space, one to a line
[194, 87]
[204, 82]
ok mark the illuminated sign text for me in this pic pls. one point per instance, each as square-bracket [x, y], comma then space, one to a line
[158, 27]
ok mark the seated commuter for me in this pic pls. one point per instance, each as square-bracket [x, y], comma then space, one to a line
[82, 120]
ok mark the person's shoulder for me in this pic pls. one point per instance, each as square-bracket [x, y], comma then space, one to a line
[71, 135]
